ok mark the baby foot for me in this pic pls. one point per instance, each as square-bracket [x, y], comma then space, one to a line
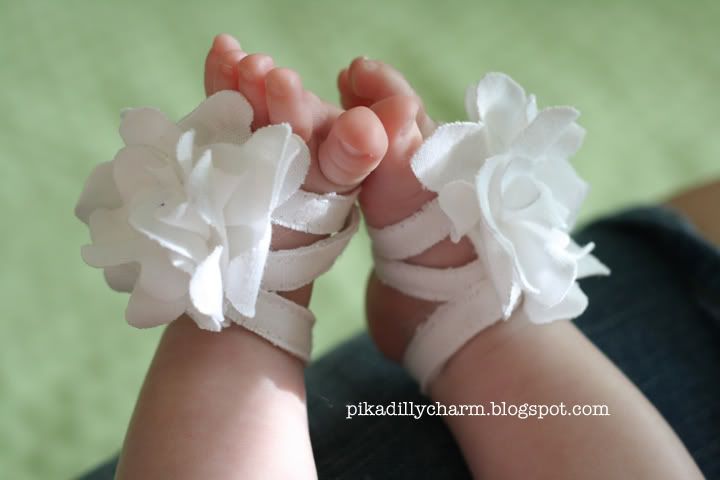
[392, 193]
[345, 146]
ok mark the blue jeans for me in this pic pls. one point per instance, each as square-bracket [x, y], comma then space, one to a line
[657, 318]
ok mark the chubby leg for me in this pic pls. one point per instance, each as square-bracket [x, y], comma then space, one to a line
[511, 361]
[231, 405]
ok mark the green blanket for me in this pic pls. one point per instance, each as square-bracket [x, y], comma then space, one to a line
[644, 74]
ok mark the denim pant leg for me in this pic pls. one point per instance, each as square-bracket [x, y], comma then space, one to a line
[658, 318]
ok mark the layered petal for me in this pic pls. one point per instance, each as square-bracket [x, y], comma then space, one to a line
[504, 180]
[455, 151]
[571, 306]
[99, 192]
[545, 130]
[122, 278]
[501, 105]
[149, 127]
[181, 217]
[206, 286]
[145, 311]
[224, 117]
[138, 169]
[458, 201]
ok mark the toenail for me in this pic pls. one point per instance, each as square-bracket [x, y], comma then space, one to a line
[351, 150]
[370, 65]
[407, 130]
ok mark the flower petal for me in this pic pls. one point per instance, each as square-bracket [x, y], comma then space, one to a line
[544, 131]
[528, 200]
[149, 127]
[488, 188]
[122, 278]
[145, 311]
[502, 107]
[499, 263]
[99, 192]
[244, 276]
[571, 306]
[206, 287]
[135, 170]
[114, 241]
[159, 278]
[543, 261]
[568, 143]
[206, 322]
[293, 169]
[459, 202]
[185, 151]
[589, 265]
[455, 151]
[102, 256]
[200, 188]
[532, 108]
[242, 239]
[566, 186]
[177, 212]
[224, 117]
[264, 166]
[143, 217]
[182, 263]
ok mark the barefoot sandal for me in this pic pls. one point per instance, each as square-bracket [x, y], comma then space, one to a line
[502, 180]
[182, 220]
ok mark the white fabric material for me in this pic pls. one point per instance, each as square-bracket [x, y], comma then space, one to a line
[433, 284]
[182, 219]
[426, 227]
[447, 329]
[313, 213]
[502, 179]
[291, 269]
[280, 321]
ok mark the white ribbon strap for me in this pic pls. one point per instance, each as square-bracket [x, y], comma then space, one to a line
[413, 235]
[447, 329]
[278, 320]
[432, 284]
[314, 213]
[283, 323]
[288, 270]
[469, 302]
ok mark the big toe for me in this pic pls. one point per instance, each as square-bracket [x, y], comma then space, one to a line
[353, 148]
[367, 81]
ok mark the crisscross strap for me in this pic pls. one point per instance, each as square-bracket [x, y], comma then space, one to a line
[468, 302]
[278, 320]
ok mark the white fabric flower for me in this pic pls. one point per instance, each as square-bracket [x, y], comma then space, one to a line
[504, 180]
[181, 217]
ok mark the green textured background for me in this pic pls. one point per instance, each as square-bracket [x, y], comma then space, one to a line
[644, 74]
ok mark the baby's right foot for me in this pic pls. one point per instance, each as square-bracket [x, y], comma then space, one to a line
[392, 193]
[505, 182]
